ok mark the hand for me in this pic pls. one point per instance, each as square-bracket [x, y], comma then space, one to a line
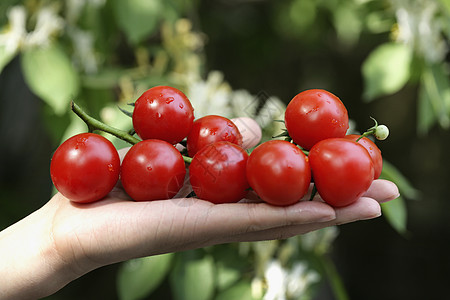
[64, 240]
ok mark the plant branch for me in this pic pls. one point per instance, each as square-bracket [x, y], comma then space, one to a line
[94, 124]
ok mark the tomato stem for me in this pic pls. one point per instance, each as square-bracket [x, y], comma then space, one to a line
[313, 192]
[94, 124]
[187, 159]
[379, 131]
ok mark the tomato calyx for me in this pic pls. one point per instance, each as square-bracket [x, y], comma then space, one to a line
[285, 135]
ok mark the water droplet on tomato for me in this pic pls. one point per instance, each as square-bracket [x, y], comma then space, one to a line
[110, 168]
[80, 142]
[312, 110]
[158, 115]
[149, 168]
[169, 100]
[181, 105]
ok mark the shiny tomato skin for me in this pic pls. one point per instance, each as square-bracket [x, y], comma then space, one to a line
[279, 172]
[217, 173]
[374, 151]
[152, 170]
[85, 167]
[342, 170]
[210, 129]
[314, 115]
[164, 113]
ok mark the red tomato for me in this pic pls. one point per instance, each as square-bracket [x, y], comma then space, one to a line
[315, 115]
[278, 172]
[373, 150]
[85, 167]
[210, 129]
[342, 170]
[217, 173]
[164, 113]
[152, 170]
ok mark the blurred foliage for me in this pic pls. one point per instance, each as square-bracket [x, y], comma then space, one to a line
[106, 53]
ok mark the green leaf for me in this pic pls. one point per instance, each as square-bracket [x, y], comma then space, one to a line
[138, 18]
[386, 70]
[426, 118]
[390, 172]
[193, 278]
[434, 98]
[396, 214]
[138, 278]
[241, 290]
[5, 57]
[348, 22]
[446, 5]
[50, 75]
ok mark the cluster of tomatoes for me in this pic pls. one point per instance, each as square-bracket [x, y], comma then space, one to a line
[86, 167]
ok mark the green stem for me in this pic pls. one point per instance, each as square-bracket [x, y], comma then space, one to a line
[94, 124]
[369, 131]
[313, 192]
[334, 278]
[187, 159]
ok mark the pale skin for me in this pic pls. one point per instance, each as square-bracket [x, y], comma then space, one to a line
[63, 240]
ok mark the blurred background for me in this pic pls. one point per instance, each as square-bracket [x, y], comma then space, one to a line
[387, 59]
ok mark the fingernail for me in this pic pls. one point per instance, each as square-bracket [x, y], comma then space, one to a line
[372, 216]
[390, 198]
[327, 218]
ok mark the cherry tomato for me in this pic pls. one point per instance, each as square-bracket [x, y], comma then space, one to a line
[315, 115]
[374, 151]
[342, 170]
[164, 113]
[217, 173]
[210, 129]
[85, 167]
[278, 172]
[152, 170]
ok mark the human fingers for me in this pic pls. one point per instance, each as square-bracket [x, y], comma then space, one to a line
[250, 131]
[363, 209]
[382, 190]
[261, 221]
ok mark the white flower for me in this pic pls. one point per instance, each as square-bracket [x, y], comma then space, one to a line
[273, 109]
[299, 279]
[84, 53]
[276, 278]
[15, 35]
[285, 284]
[211, 96]
[421, 27]
[48, 24]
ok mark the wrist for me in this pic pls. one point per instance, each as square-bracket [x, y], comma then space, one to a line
[31, 266]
